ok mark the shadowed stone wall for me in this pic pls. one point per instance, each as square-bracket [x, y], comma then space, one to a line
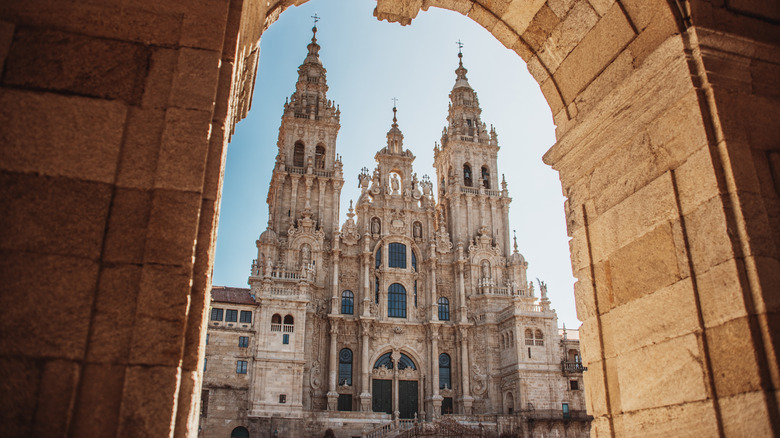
[114, 120]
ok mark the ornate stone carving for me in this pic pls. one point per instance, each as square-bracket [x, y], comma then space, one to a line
[479, 380]
[316, 375]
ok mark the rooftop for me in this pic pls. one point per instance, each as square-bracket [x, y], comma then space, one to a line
[234, 295]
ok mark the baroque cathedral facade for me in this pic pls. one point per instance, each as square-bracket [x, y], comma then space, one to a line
[416, 308]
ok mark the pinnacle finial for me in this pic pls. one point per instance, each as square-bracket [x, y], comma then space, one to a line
[514, 232]
[395, 110]
[314, 29]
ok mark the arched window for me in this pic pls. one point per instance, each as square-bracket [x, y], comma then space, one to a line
[396, 301]
[539, 338]
[397, 255]
[239, 432]
[347, 302]
[298, 154]
[529, 337]
[378, 258]
[444, 309]
[276, 323]
[414, 261]
[319, 157]
[376, 290]
[485, 177]
[445, 376]
[406, 362]
[467, 175]
[289, 324]
[345, 367]
[384, 360]
[415, 293]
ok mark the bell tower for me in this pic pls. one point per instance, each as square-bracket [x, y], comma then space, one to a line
[470, 197]
[307, 177]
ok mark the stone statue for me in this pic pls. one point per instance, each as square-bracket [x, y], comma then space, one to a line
[395, 184]
[376, 226]
[485, 269]
[305, 255]
[417, 231]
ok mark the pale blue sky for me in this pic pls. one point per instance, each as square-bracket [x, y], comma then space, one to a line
[368, 63]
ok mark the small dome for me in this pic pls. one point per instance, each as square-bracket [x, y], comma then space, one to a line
[268, 236]
[516, 258]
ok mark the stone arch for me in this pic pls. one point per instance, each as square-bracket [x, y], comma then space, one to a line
[613, 54]
[509, 403]
[407, 350]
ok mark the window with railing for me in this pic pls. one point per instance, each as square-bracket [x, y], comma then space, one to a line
[467, 181]
[276, 323]
[319, 157]
[298, 154]
[289, 324]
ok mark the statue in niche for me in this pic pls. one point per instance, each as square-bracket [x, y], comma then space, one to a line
[375, 183]
[417, 230]
[376, 226]
[395, 184]
[305, 255]
[485, 269]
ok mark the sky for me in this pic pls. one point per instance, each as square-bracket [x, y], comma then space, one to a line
[369, 63]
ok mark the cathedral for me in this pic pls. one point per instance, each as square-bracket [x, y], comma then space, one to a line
[416, 310]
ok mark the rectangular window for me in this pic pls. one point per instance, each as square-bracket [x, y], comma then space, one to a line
[243, 341]
[204, 403]
[575, 385]
[241, 367]
[529, 353]
[565, 409]
[207, 339]
[282, 398]
[345, 402]
[246, 316]
[285, 339]
[231, 315]
[205, 361]
[216, 314]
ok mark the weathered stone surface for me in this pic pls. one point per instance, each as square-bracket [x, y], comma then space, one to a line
[182, 160]
[72, 63]
[172, 227]
[146, 412]
[56, 397]
[60, 135]
[97, 413]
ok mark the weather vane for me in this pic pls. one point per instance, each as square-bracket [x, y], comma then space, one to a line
[316, 19]
[460, 46]
[395, 101]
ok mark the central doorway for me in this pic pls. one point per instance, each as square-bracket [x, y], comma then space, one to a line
[407, 398]
[399, 375]
[382, 396]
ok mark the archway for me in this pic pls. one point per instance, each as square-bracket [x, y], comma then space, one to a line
[663, 152]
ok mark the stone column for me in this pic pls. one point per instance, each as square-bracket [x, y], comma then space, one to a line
[367, 280]
[436, 399]
[334, 300]
[333, 363]
[365, 394]
[461, 286]
[466, 397]
[396, 357]
[293, 198]
[432, 294]
[469, 223]
[335, 207]
[321, 200]
[309, 183]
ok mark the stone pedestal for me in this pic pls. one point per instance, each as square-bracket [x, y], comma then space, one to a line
[365, 402]
[333, 400]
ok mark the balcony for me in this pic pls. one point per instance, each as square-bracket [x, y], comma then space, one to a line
[572, 367]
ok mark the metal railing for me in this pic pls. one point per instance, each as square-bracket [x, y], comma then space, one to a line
[572, 367]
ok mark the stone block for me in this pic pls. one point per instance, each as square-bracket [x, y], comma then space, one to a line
[157, 341]
[693, 420]
[188, 412]
[505, 35]
[56, 397]
[595, 388]
[483, 16]
[195, 79]
[710, 241]
[159, 80]
[59, 135]
[663, 374]
[553, 97]
[182, 160]
[537, 69]
[601, 426]
[601, 6]
[520, 14]
[53, 215]
[114, 315]
[215, 163]
[222, 102]
[662, 27]
[149, 398]
[769, 277]
[664, 314]
[737, 408]
[567, 34]
[97, 413]
[204, 23]
[590, 341]
[6, 36]
[127, 226]
[47, 301]
[540, 28]
[141, 148]
[173, 224]
[165, 292]
[19, 383]
[604, 83]
[733, 351]
[594, 52]
[696, 181]
[622, 221]
[613, 385]
[561, 7]
[72, 63]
